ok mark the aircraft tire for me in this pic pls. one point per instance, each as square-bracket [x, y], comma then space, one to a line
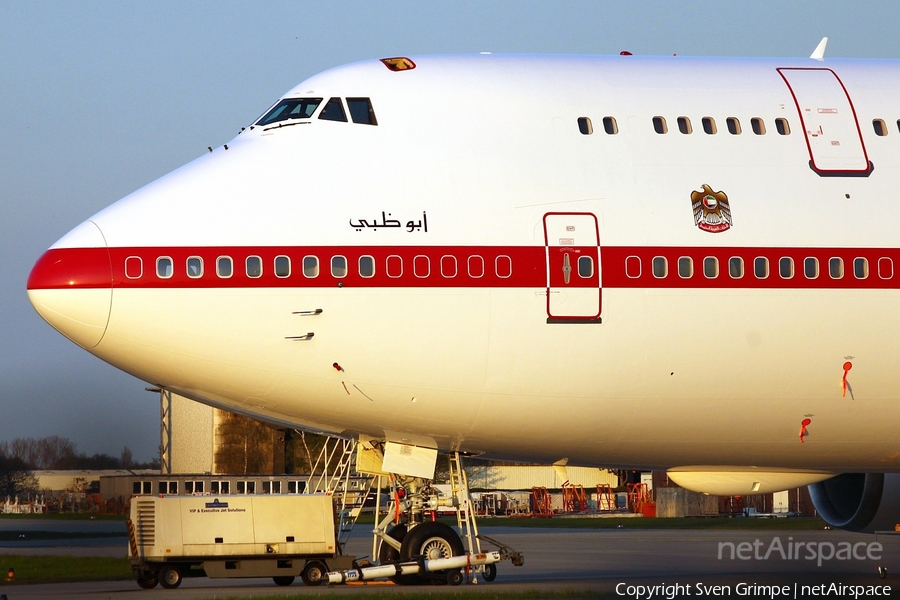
[430, 541]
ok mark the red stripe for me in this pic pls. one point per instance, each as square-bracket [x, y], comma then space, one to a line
[71, 268]
[90, 267]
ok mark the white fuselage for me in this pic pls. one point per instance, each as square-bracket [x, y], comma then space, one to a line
[468, 194]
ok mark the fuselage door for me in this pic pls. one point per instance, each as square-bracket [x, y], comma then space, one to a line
[829, 121]
[572, 245]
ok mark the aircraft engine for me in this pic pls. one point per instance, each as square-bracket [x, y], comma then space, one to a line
[863, 502]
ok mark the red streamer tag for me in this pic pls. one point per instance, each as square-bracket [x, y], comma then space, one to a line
[803, 431]
[847, 366]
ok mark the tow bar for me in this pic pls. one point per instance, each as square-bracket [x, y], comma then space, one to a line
[452, 565]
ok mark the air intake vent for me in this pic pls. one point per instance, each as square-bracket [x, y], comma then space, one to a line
[146, 522]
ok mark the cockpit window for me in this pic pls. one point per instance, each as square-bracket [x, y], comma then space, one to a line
[361, 111]
[333, 111]
[291, 108]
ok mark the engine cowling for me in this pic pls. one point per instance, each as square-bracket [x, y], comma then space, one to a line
[863, 502]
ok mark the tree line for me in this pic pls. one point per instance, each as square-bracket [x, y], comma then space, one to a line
[59, 453]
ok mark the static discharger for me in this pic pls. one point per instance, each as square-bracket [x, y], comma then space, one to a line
[844, 385]
[803, 425]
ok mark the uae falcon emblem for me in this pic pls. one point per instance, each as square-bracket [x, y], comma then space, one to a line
[711, 210]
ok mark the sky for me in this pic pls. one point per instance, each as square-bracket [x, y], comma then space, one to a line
[100, 98]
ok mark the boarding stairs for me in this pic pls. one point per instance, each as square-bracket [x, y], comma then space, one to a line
[334, 473]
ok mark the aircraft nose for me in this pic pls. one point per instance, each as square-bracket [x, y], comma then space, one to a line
[70, 285]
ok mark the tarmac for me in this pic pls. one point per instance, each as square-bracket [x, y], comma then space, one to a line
[616, 563]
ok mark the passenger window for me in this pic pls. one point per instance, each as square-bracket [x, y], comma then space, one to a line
[584, 126]
[880, 127]
[786, 267]
[660, 267]
[885, 268]
[503, 266]
[333, 111]
[585, 267]
[338, 266]
[394, 266]
[761, 267]
[659, 125]
[811, 267]
[361, 111]
[421, 266]
[709, 125]
[734, 125]
[685, 267]
[736, 267]
[282, 266]
[134, 267]
[710, 267]
[310, 266]
[367, 266]
[610, 126]
[448, 266]
[224, 267]
[684, 125]
[290, 108]
[164, 267]
[254, 267]
[860, 268]
[194, 267]
[476, 266]
[758, 126]
[782, 126]
[633, 267]
[836, 268]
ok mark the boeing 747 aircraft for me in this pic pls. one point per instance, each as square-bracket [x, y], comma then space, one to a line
[669, 263]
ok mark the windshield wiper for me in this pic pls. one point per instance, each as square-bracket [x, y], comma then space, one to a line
[280, 125]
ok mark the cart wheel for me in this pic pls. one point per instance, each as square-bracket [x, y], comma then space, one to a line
[170, 577]
[148, 582]
[454, 577]
[314, 573]
[490, 572]
[283, 580]
[882, 572]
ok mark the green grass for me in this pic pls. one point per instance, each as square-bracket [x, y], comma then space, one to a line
[18, 536]
[61, 569]
[461, 593]
[66, 517]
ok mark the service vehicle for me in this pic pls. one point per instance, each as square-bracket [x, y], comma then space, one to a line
[277, 536]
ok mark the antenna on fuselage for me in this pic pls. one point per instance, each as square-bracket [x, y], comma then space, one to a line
[819, 52]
